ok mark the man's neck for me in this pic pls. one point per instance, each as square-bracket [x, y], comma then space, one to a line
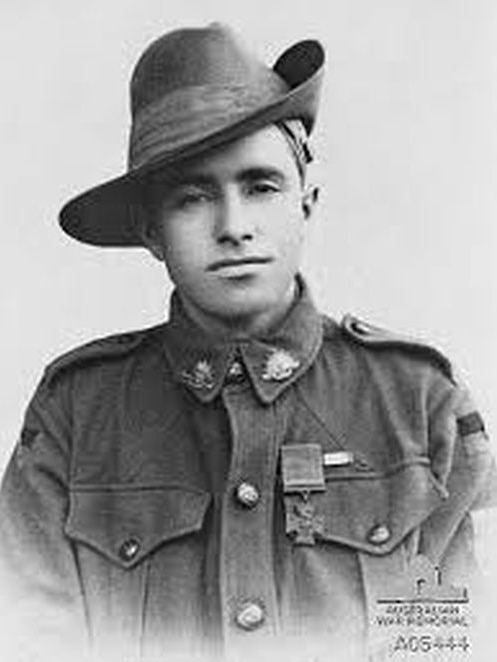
[242, 327]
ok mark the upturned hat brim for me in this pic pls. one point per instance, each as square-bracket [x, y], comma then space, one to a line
[106, 215]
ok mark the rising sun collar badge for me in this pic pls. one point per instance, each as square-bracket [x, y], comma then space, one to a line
[280, 365]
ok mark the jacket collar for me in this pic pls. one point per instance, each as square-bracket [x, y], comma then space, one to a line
[271, 362]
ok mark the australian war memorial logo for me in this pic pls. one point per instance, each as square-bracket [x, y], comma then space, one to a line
[423, 616]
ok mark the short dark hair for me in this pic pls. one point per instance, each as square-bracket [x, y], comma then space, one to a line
[296, 135]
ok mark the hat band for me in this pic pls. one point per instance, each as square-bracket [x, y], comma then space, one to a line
[188, 115]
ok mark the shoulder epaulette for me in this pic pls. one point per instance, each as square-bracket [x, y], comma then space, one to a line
[110, 347]
[374, 336]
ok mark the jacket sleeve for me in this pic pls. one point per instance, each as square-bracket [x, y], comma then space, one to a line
[42, 598]
[463, 462]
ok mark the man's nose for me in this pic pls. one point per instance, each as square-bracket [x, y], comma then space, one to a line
[234, 222]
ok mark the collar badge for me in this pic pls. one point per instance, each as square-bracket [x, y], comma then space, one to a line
[280, 365]
[201, 376]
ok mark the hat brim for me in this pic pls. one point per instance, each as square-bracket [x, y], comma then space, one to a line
[106, 215]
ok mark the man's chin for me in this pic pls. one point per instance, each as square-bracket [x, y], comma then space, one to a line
[250, 307]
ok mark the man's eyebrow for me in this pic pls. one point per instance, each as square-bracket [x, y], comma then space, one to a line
[192, 178]
[261, 172]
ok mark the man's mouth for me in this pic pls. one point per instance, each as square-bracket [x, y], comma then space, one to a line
[237, 262]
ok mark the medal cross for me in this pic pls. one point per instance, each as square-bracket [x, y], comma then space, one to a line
[303, 524]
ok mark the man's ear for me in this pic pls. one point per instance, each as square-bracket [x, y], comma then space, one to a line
[309, 199]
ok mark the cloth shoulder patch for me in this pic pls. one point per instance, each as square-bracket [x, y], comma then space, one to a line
[469, 424]
[374, 336]
[101, 349]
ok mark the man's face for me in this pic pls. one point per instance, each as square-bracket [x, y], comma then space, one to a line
[231, 227]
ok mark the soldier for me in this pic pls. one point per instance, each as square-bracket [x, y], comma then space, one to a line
[247, 478]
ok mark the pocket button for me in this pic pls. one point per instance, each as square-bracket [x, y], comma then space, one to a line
[379, 534]
[129, 549]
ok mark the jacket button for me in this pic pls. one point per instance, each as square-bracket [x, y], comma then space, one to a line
[250, 616]
[235, 372]
[247, 495]
[129, 549]
[379, 534]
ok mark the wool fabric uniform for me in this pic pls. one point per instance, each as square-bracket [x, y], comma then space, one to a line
[220, 501]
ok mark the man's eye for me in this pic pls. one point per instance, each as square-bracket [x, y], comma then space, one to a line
[263, 187]
[191, 197]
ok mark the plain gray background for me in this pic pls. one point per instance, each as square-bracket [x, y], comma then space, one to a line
[405, 235]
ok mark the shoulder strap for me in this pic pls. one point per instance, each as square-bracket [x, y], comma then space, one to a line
[376, 337]
[101, 349]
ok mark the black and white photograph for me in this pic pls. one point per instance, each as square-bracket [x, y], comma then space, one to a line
[249, 331]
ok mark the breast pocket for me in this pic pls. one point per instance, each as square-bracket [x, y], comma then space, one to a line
[131, 544]
[126, 525]
[370, 511]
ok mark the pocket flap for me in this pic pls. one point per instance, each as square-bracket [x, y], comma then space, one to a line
[127, 524]
[372, 513]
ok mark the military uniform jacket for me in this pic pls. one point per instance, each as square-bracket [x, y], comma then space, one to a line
[174, 495]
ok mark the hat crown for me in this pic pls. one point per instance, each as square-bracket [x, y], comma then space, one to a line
[193, 90]
[197, 57]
